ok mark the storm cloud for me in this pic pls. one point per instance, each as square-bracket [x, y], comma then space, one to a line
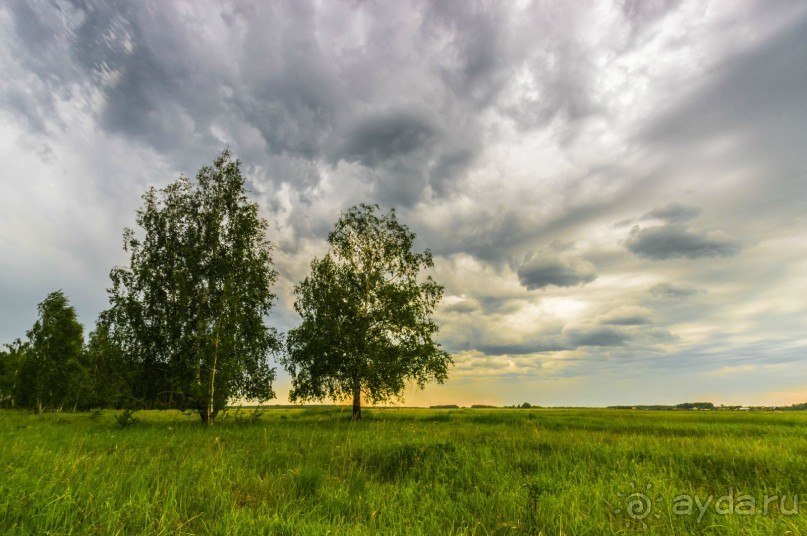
[672, 241]
[673, 213]
[538, 271]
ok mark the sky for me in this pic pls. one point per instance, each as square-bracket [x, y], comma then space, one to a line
[615, 192]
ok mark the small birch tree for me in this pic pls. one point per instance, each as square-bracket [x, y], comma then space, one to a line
[366, 315]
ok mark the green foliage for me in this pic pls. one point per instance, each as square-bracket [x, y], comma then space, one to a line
[696, 405]
[111, 372]
[12, 372]
[366, 316]
[306, 471]
[53, 376]
[189, 308]
[247, 417]
[126, 418]
[53, 370]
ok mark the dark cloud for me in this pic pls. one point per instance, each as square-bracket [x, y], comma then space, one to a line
[384, 137]
[478, 42]
[493, 231]
[492, 304]
[636, 319]
[597, 336]
[625, 333]
[673, 213]
[749, 96]
[747, 116]
[134, 72]
[40, 48]
[462, 307]
[672, 241]
[542, 270]
[404, 151]
[313, 92]
[294, 95]
[674, 291]
[530, 347]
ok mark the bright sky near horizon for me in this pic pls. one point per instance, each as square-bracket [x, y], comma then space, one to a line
[615, 191]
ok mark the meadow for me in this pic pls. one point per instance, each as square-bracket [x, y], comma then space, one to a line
[405, 471]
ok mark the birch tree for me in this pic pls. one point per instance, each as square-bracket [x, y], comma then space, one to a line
[189, 309]
[366, 315]
[52, 375]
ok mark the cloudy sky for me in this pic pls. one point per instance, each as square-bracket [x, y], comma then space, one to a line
[615, 191]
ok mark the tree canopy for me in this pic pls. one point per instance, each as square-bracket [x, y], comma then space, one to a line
[52, 374]
[110, 371]
[13, 361]
[186, 324]
[54, 371]
[366, 315]
[189, 309]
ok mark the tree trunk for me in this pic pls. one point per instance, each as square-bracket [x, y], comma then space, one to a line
[206, 413]
[210, 412]
[356, 403]
[208, 416]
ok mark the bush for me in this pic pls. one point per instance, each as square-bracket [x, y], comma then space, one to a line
[126, 418]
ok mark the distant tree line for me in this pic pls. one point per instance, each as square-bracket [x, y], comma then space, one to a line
[701, 406]
[55, 370]
[186, 324]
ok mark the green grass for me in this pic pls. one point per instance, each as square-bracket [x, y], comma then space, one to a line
[407, 471]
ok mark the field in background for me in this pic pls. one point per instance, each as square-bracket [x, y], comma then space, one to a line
[405, 471]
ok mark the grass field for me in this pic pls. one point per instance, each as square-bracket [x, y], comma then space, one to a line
[405, 471]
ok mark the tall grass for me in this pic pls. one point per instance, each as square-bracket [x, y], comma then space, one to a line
[311, 471]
